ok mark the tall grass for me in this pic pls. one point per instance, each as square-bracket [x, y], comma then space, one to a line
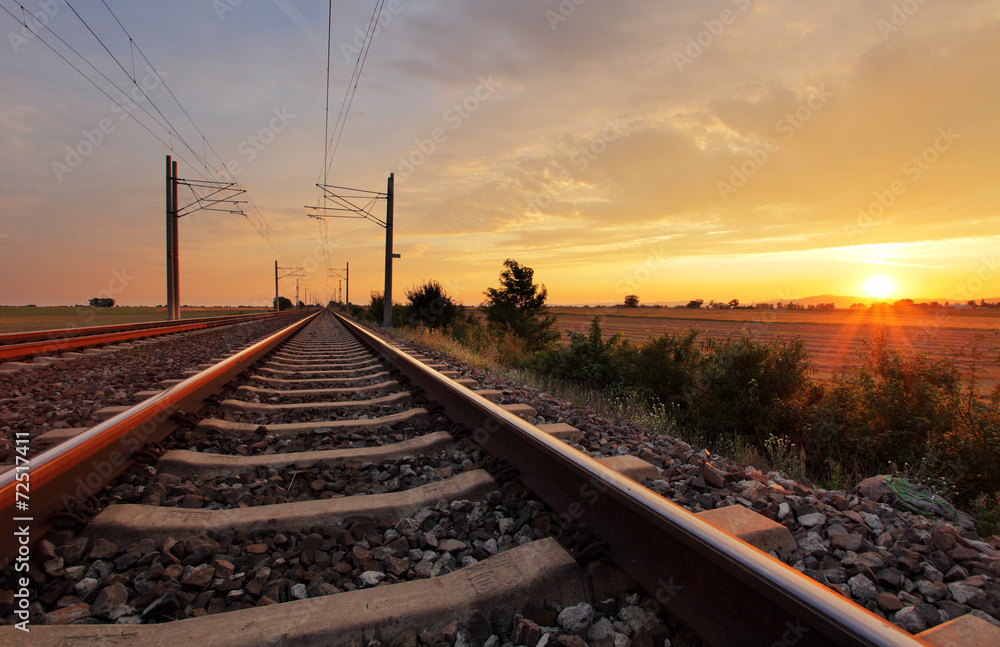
[756, 402]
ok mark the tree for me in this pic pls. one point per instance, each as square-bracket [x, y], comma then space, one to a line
[694, 304]
[519, 306]
[284, 303]
[98, 302]
[631, 301]
[431, 306]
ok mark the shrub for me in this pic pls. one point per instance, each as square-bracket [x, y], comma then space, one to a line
[750, 388]
[664, 368]
[430, 306]
[588, 361]
[889, 408]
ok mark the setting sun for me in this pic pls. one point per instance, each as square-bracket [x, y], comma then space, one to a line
[879, 287]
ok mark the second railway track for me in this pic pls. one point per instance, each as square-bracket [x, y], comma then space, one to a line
[324, 487]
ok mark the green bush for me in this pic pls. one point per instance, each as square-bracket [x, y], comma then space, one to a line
[969, 452]
[665, 368]
[751, 388]
[588, 361]
[430, 305]
[890, 408]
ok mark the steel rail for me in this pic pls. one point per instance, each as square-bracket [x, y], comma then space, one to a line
[86, 463]
[726, 591]
[14, 345]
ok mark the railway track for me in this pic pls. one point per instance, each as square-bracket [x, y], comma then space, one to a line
[325, 487]
[45, 342]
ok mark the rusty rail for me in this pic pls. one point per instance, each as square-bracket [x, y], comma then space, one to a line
[726, 591]
[40, 342]
[85, 464]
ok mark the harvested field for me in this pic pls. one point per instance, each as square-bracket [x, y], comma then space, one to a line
[833, 339]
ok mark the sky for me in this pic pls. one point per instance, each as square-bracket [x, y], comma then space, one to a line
[750, 149]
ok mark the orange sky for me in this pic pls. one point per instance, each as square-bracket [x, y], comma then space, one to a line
[715, 150]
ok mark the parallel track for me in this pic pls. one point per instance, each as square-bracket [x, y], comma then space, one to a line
[29, 344]
[319, 385]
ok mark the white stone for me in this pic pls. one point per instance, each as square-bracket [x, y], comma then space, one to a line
[369, 579]
[813, 519]
[576, 618]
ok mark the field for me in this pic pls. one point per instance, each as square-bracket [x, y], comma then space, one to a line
[22, 319]
[832, 338]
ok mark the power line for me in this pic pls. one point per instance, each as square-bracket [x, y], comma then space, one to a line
[352, 86]
[91, 81]
[256, 220]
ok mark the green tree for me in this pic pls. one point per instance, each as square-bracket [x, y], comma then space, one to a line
[631, 301]
[284, 303]
[518, 305]
[431, 306]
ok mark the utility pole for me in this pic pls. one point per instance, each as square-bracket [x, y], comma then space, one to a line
[344, 202]
[219, 193]
[291, 272]
[170, 243]
[344, 274]
[297, 293]
[175, 237]
[387, 294]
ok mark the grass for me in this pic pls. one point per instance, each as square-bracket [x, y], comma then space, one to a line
[24, 319]
[778, 454]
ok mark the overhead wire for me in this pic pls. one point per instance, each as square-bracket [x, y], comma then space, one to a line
[94, 83]
[352, 86]
[256, 218]
[332, 142]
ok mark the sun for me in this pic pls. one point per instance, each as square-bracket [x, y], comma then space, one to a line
[879, 287]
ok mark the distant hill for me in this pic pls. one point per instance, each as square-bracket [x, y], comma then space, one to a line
[837, 301]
